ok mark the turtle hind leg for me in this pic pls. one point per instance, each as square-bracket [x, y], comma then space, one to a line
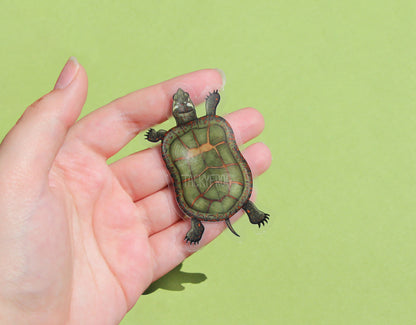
[193, 236]
[255, 215]
[154, 136]
[211, 102]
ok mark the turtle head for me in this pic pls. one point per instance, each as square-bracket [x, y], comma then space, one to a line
[182, 107]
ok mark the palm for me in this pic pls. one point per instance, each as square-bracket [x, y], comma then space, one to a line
[105, 232]
[110, 243]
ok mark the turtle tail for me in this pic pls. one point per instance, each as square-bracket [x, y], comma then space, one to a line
[228, 223]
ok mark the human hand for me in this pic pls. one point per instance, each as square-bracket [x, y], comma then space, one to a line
[81, 239]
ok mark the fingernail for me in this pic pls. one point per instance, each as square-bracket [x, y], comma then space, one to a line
[222, 78]
[68, 73]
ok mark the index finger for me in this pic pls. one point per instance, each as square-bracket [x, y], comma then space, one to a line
[111, 127]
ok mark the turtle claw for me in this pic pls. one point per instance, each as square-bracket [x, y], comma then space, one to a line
[255, 215]
[154, 136]
[265, 220]
[190, 241]
[193, 236]
[212, 94]
[150, 134]
[211, 102]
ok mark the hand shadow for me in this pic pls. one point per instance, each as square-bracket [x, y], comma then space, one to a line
[173, 280]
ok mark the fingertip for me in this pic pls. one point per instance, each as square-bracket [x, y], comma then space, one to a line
[67, 74]
[80, 81]
[247, 123]
[266, 157]
[203, 82]
[223, 78]
[68, 101]
[255, 117]
[82, 77]
[215, 78]
[259, 157]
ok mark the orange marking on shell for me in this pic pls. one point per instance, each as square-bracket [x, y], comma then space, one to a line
[203, 193]
[180, 158]
[201, 149]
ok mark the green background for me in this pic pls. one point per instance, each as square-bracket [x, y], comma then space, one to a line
[335, 81]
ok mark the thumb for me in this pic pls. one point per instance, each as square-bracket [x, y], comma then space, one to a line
[32, 144]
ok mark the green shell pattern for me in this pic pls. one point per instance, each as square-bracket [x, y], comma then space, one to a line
[211, 178]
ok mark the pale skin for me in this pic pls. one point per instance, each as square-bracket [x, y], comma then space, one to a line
[81, 239]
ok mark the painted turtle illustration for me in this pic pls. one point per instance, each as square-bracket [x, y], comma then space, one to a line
[212, 179]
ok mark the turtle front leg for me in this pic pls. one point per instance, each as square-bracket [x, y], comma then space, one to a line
[194, 235]
[155, 136]
[211, 102]
[255, 215]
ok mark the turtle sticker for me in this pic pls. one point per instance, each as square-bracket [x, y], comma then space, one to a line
[212, 179]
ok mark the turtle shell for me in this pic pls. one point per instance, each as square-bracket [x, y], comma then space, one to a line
[211, 178]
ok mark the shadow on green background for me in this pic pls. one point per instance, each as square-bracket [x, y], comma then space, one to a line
[174, 280]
